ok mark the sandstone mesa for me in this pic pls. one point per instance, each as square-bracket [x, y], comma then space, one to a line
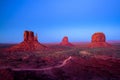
[65, 42]
[29, 43]
[99, 40]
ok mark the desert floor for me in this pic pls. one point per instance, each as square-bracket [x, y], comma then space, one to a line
[78, 62]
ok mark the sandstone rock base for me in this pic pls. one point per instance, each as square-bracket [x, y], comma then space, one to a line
[99, 40]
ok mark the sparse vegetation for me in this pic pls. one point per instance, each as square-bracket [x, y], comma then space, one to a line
[57, 54]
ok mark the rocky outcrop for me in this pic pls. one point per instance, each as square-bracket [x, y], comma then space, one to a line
[98, 37]
[26, 35]
[29, 36]
[29, 43]
[99, 40]
[65, 42]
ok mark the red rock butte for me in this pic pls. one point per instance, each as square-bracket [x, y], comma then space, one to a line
[30, 43]
[65, 42]
[99, 40]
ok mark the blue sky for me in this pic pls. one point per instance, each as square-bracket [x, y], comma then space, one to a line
[53, 19]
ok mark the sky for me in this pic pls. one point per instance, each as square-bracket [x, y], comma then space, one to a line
[54, 19]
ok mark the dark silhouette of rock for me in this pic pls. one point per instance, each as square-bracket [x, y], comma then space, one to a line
[99, 40]
[65, 42]
[30, 43]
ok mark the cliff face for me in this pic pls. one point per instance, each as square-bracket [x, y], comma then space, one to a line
[65, 42]
[29, 43]
[98, 37]
[29, 36]
[99, 40]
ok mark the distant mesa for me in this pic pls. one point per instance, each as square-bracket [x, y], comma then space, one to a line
[99, 40]
[29, 36]
[65, 42]
[29, 43]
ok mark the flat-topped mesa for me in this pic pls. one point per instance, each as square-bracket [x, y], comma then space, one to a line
[99, 40]
[98, 37]
[29, 36]
[65, 42]
[29, 43]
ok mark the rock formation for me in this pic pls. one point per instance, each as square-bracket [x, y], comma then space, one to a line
[65, 42]
[29, 43]
[29, 36]
[99, 40]
[26, 35]
[98, 37]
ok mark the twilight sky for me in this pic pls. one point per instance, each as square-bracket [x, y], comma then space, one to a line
[53, 19]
